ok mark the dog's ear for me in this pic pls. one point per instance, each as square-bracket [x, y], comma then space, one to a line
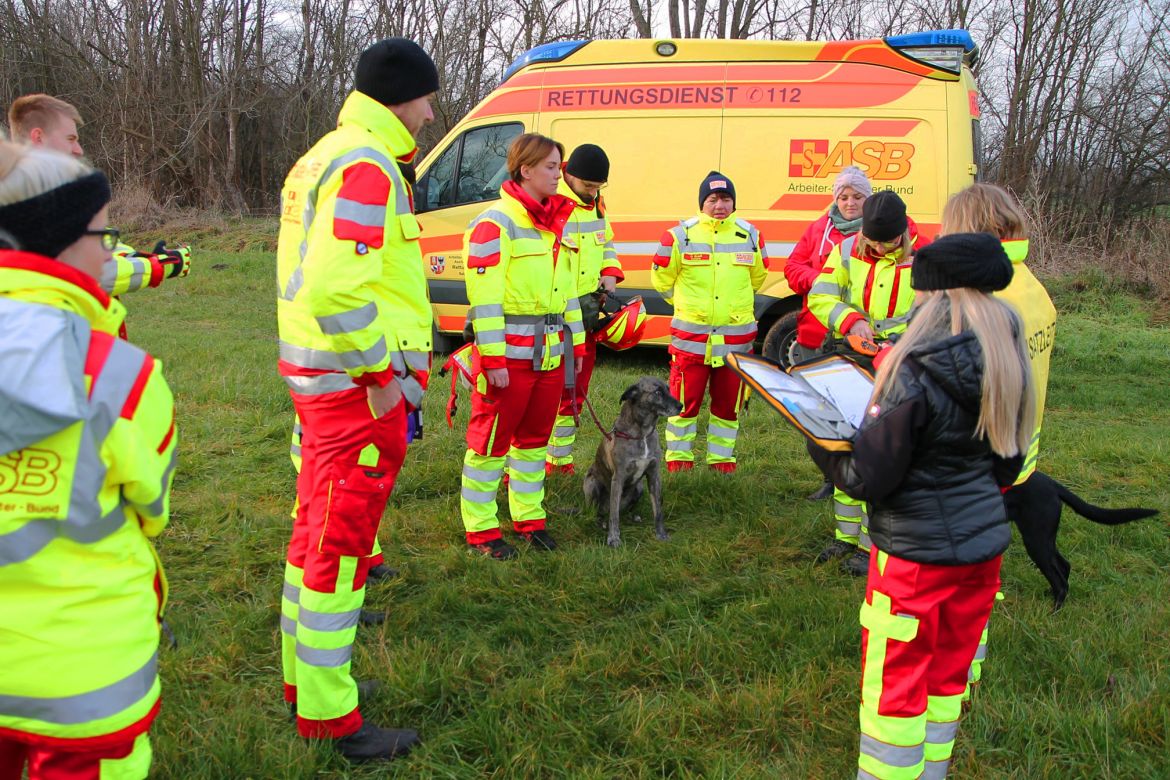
[630, 393]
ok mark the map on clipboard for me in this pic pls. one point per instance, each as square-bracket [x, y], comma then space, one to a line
[824, 399]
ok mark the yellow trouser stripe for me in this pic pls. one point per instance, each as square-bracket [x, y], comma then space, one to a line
[526, 483]
[852, 519]
[480, 482]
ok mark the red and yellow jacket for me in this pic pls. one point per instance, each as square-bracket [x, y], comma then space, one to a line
[87, 453]
[587, 243]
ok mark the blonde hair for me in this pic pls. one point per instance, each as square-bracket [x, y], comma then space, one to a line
[530, 149]
[985, 208]
[27, 171]
[1007, 409]
[39, 110]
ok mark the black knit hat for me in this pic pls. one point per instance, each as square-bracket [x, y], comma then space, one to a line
[974, 260]
[396, 70]
[589, 162]
[52, 221]
[715, 182]
[883, 217]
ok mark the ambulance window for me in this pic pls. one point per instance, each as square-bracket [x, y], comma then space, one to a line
[434, 190]
[483, 164]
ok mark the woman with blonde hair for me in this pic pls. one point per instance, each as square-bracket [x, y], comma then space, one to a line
[87, 451]
[950, 420]
[991, 209]
[529, 341]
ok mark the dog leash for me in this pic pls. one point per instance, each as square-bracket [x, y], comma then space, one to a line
[607, 434]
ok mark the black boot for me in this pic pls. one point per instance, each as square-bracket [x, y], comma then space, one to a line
[821, 493]
[368, 617]
[540, 540]
[496, 548]
[374, 743]
[836, 549]
[381, 573]
[857, 564]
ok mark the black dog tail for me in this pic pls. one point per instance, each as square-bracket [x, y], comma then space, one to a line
[1099, 514]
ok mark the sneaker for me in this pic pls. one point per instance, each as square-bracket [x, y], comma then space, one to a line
[821, 493]
[679, 465]
[380, 573]
[496, 548]
[540, 540]
[836, 549]
[374, 743]
[857, 564]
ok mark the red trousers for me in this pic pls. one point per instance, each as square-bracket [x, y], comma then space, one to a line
[583, 377]
[124, 760]
[690, 379]
[520, 414]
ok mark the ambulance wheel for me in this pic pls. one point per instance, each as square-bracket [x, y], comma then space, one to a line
[444, 342]
[780, 342]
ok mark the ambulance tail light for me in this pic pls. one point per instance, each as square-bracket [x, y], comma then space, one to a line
[946, 50]
[549, 52]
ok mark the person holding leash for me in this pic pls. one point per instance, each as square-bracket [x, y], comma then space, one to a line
[87, 454]
[587, 247]
[355, 351]
[950, 421]
[987, 208]
[865, 291]
[710, 267]
[529, 342]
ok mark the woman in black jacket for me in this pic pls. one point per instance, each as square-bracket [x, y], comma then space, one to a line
[951, 418]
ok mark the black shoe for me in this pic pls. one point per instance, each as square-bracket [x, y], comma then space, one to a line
[540, 540]
[366, 689]
[368, 617]
[857, 564]
[836, 549]
[373, 743]
[821, 493]
[496, 548]
[380, 573]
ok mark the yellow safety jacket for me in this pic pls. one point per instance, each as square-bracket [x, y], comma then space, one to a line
[587, 244]
[352, 304]
[876, 290]
[87, 452]
[128, 271]
[710, 269]
[522, 294]
[1031, 300]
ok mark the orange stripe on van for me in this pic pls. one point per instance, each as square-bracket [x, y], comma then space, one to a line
[449, 243]
[799, 202]
[451, 323]
[885, 128]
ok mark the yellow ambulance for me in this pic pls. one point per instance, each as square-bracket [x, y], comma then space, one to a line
[780, 118]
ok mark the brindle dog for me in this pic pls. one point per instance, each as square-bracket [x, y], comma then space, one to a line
[629, 454]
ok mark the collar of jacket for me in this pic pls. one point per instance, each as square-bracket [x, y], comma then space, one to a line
[373, 117]
[25, 276]
[893, 258]
[563, 188]
[717, 224]
[1016, 249]
[551, 214]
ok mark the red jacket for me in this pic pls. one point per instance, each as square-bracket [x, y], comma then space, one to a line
[804, 266]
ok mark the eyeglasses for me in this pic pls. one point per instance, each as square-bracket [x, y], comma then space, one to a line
[109, 236]
[888, 246]
[593, 186]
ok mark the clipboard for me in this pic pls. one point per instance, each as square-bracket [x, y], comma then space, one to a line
[825, 398]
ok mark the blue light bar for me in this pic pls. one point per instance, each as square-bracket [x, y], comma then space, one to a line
[549, 52]
[932, 38]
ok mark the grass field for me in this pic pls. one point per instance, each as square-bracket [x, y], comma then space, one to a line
[721, 653]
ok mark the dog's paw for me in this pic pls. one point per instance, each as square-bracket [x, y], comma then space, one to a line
[662, 535]
[614, 541]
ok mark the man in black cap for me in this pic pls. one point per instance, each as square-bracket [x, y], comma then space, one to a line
[710, 267]
[587, 244]
[355, 350]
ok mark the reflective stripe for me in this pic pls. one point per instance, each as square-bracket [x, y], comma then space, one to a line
[484, 249]
[941, 733]
[839, 311]
[513, 230]
[891, 755]
[560, 450]
[489, 336]
[361, 213]
[32, 537]
[326, 658]
[526, 467]
[136, 276]
[721, 431]
[109, 274]
[742, 246]
[891, 322]
[692, 246]
[663, 251]
[304, 357]
[589, 226]
[719, 449]
[328, 621]
[521, 329]
[483, 475]
[478, 496]
[863, 775]
[412, 390]
[564, 430]
[682, 430]
[365, 358]
[486, 310]
[292, 593]
[678, 446]
[847, 510]
[849, 528]
[936, 770]
[156, 507]
[319, 384]
[517, 352]
[826, 288]
[349, 321]
[981, 653]
[722, 330]
[700, 347]
[84, 707]
[288, 625]
[519, 486]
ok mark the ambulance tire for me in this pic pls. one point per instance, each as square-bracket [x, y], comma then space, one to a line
[780, 341]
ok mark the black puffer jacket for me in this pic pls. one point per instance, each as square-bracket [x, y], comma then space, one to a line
[934, 488]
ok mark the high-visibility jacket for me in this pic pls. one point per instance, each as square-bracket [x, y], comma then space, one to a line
[710, 269]
[352, 303]
[87, 452]
[587, 243]
[522, 293]
[874, 289]
[1031, 300]
[129, 271]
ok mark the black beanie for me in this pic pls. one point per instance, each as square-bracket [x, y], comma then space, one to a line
[715, 182]
[396, 70]
[883, 217]
[52, 221]
[974, 260]
[588, 162]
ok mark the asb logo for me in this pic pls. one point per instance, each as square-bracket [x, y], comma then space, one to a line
[31, 471]
[818, 159]
[438, 264]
